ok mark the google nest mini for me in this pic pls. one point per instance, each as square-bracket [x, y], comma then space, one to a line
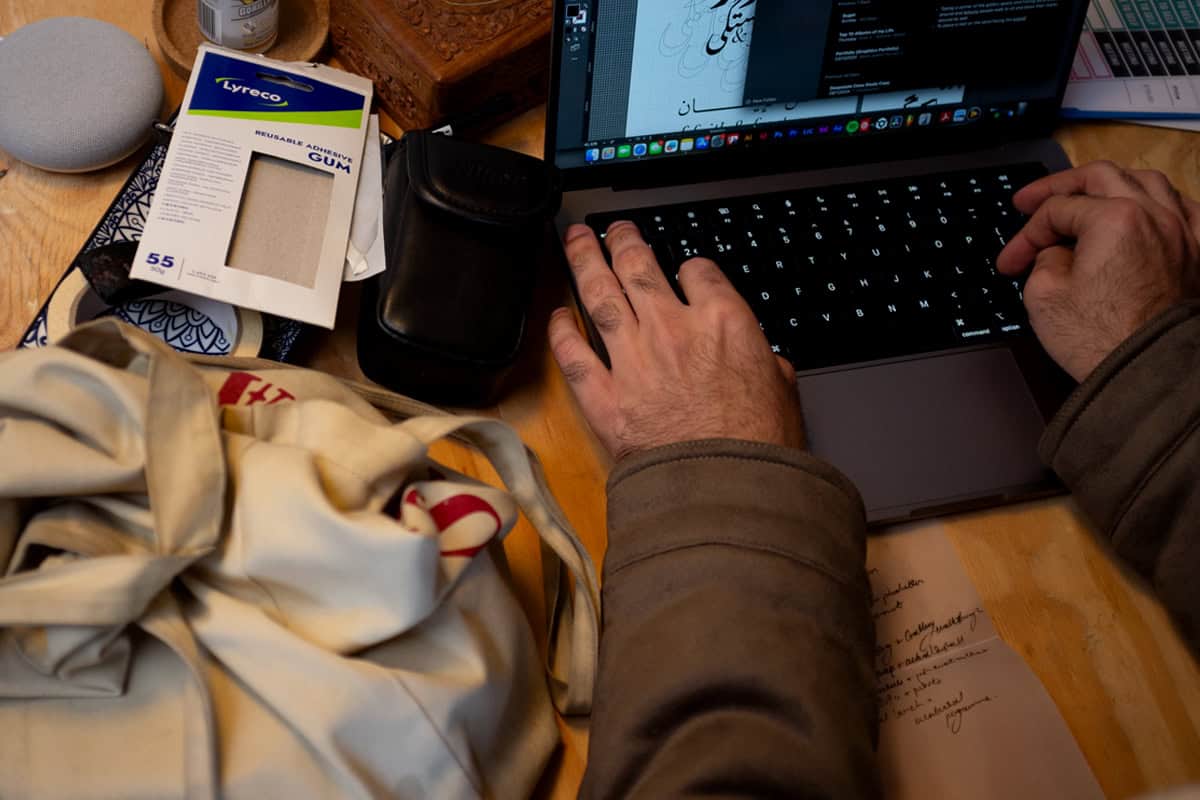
[76, 94]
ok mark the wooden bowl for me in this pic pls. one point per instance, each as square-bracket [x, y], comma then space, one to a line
[303, 29]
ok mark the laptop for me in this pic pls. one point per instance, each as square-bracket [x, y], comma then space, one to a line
[850, 165]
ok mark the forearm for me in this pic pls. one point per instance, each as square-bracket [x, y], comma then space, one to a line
[735, 657]
[1127, 443]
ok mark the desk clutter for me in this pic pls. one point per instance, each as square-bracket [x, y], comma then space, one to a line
[97, 284]
[390, 617]
[244, 204]
[266, 195]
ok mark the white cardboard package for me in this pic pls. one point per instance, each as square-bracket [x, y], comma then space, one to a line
[257, 193]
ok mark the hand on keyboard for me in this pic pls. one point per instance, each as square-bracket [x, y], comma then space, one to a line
[679, 372]
[858, 272]
[1110, 249]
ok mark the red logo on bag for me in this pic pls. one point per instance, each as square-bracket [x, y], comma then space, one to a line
[238, 382]
[451, 510]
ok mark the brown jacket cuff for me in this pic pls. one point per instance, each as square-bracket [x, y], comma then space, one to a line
[1125, 422]
[702, 493]
[1124, 441]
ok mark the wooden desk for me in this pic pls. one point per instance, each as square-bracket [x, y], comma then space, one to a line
[1126, 685]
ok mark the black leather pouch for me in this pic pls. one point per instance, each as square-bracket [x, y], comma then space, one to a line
[466, 225]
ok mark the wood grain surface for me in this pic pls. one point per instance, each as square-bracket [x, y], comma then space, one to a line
[433, 61]
[1102, 646]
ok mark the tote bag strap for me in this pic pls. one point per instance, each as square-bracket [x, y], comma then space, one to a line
[572, 589]
[569, 575]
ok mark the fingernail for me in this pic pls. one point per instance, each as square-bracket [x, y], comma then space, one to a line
[618, 224]
[576, 231]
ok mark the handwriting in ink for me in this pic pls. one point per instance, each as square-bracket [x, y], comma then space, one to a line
[892, 609]
[922, 683]
[954, 719]
[899, 588]
[885, 666]
[923, 629]
[903, 710]
[939, 709]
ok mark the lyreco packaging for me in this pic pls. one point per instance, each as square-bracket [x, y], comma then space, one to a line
[257, 192]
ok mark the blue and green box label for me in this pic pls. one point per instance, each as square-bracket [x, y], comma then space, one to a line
[236, 89]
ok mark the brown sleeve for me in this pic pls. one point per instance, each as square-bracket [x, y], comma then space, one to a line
[1127, 444]
[735, 658]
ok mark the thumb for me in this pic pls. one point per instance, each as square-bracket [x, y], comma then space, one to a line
[786, 369]
[1054, 262]
[1051, 275]
[1059, 219]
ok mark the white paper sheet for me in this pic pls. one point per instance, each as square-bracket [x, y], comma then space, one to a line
[961, 715]
[365, 251]
[1192, 125]
[256, 197]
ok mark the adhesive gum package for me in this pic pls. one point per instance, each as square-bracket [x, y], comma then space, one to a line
[257, 192]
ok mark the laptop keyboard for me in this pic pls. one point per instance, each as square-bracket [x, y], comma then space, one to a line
[859, 272]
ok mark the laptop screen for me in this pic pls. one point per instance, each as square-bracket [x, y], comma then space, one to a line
[643, 80]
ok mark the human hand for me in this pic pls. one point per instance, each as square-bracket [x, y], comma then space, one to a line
[1111, 249]
[679, 372]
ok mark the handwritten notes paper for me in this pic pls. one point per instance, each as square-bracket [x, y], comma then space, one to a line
[961, 715]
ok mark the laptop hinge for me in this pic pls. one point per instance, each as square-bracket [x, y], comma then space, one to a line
[684, 174]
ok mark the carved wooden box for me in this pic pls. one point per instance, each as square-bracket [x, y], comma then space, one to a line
[434, 60]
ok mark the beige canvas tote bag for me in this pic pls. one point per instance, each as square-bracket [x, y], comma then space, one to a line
[241, 580]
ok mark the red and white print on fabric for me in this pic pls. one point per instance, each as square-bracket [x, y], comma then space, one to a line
[247, 389]
[465, 520]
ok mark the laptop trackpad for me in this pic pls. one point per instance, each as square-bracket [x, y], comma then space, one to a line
[928, 432]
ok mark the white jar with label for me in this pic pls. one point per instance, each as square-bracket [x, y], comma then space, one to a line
[249, 25]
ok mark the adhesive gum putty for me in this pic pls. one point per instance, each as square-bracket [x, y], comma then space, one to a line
[282, 221]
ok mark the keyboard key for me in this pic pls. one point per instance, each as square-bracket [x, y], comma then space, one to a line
[691, 222]
[757, 214]
[834, 288]
[689, 247]
[724, 246]
[925, 276]
[891, 280]
[783, 238]
[798, 293]
[765, 300]
[746, 274]
[780, 348]
[725, 217]
[788, 210]
[655, 225]
[968, 327]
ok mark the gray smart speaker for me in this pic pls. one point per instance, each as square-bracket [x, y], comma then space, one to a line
[76, 94]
